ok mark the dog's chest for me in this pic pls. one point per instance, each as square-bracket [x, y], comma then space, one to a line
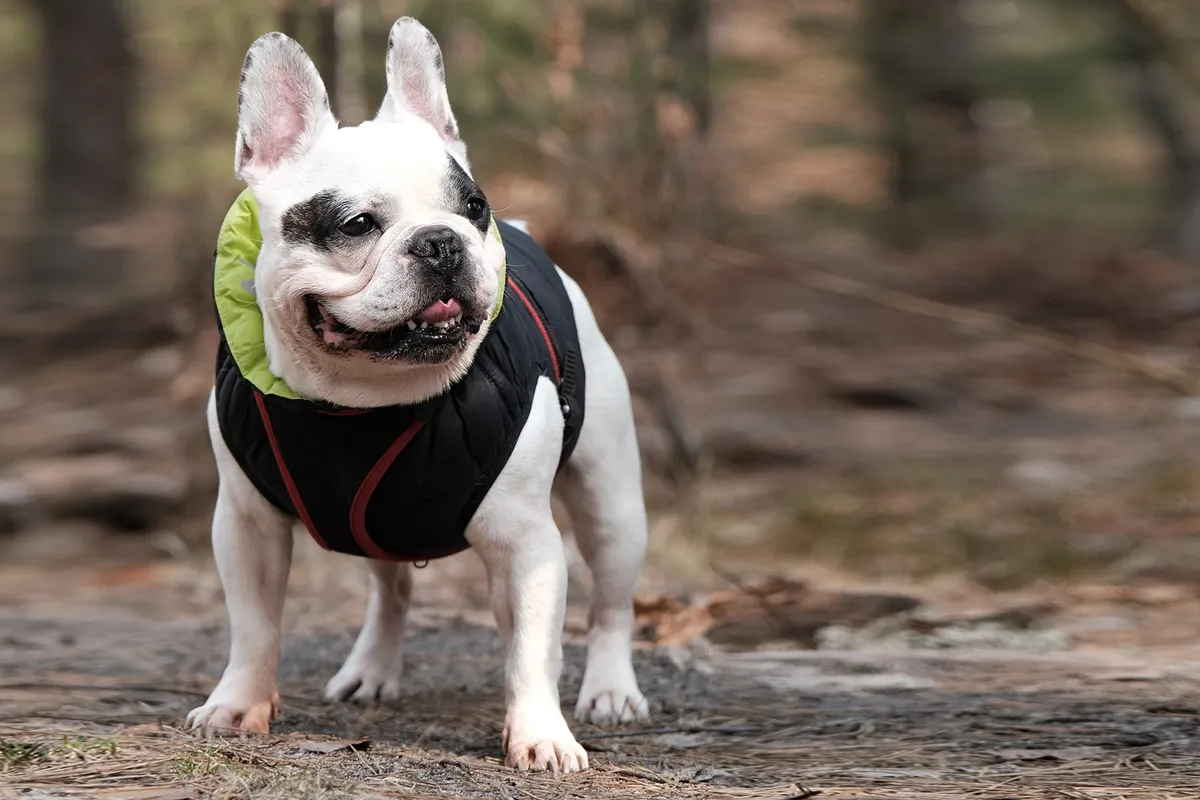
[402, 483]
[393, 483]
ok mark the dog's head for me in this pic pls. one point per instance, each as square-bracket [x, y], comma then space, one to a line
[378, 272]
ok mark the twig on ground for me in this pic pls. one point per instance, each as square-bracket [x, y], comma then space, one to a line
[737, 583]
[646, 774]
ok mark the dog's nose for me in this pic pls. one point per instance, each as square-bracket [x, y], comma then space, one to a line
[436, 244]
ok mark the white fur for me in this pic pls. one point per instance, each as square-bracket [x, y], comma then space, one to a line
[513, 531]
[372, 670]
[416, 81]
[283, 109]
[252, 543]
[602, 488]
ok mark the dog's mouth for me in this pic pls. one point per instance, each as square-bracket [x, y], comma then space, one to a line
[429, 336]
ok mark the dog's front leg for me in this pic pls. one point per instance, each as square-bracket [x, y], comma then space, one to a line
[252, 543]
[515, 534]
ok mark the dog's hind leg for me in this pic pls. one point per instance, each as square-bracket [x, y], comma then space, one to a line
[602, 488]
[252, 543]
[372, 670]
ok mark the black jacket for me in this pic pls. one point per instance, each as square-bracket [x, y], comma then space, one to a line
[402, 482]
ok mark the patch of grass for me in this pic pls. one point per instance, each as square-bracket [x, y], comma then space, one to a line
[88, 746]
[14, 754]
[238, 774]
[288, 784]
[202, 760]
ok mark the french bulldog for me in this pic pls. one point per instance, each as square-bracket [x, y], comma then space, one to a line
[377, 281]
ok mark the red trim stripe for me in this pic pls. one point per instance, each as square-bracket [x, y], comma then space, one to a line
[343, 412]
[293, 493]
[358, 508]
[541, 327]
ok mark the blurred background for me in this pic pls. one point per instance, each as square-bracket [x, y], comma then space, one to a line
[907, 290]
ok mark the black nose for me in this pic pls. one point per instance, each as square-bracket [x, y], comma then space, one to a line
[436, 244]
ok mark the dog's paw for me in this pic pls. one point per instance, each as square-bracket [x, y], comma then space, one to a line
[364, 682]
[233, 717]
[611, 697]
[542, 745]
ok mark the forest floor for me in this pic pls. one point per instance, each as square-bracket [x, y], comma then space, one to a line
[892, 556]
[1099, 698]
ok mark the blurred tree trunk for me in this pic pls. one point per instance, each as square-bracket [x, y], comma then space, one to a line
[684, 109]
[325, 49]
[351, 104]
[88, 157]
[689, 47]
[332, 32]
[313, 23]
[1157, 99]
[671, 91]
[924, 66]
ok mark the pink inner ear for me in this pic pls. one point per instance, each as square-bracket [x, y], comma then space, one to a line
[422, 97]
[285, 122]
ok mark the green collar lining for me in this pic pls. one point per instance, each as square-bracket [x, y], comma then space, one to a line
[238, 245]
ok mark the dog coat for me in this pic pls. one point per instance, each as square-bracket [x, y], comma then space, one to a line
[397, 483]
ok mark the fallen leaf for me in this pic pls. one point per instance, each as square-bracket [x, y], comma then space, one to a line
[774, 608]
[325, 748]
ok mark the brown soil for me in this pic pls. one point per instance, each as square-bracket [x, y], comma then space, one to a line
[97, 679]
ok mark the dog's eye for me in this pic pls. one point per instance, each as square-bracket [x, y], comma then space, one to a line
[358, 226]
[476, 208]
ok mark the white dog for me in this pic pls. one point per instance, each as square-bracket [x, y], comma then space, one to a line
[405, 376]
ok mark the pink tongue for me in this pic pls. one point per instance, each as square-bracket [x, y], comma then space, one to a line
[333, 338]
[440, 311]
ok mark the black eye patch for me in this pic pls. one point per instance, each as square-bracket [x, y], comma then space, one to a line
[463, 196]
[316, 222]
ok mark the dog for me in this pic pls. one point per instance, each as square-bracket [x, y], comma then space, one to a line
[383, 334]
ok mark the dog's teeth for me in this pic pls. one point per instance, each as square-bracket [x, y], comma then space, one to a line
[424, 325]
[457, 319]
[412, 326]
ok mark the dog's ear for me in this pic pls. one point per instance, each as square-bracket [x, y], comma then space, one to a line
[416, 79]
[282, 107]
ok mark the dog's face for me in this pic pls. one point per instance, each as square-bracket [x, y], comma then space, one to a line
[377, 273]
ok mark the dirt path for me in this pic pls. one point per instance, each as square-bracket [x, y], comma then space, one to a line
[95, 680]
